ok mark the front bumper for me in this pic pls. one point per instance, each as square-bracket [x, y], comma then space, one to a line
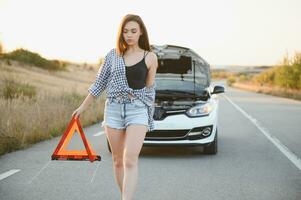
[174, 131]
[184, 142]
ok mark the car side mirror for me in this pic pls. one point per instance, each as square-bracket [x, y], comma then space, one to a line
[218, 89]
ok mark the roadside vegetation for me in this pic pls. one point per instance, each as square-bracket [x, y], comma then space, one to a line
[286, 75]
[34, 59]
[283, 79]
[36, 105]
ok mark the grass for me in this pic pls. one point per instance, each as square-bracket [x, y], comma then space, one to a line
[24, 122]
[271, 90]
[13, 89]
[36, 104]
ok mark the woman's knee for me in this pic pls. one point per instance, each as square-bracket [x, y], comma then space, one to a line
[118, 161]
[130, 161]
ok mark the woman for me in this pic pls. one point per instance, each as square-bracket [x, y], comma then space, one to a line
[128, 75]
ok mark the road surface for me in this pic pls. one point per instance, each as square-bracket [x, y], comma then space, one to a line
[258, 159]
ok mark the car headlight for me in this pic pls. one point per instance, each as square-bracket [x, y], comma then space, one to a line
[200, 109]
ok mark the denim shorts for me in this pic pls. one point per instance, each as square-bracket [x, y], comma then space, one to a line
[120, 115]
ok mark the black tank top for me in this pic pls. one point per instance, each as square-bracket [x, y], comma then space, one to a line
[136, 74]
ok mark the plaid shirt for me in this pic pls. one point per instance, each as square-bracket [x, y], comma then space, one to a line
[111, 76]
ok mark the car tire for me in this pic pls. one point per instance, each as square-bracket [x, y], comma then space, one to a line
[212, 147]
[109, 147]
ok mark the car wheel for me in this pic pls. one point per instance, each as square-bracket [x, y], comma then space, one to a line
[109, 147]
[212, 147]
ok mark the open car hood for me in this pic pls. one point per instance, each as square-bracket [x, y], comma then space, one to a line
[181, 69]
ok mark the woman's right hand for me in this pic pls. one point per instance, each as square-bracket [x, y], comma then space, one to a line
[77, 112]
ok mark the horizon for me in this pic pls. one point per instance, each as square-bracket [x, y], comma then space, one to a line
[232, 33]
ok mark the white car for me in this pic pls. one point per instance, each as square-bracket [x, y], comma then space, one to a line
[186, 105]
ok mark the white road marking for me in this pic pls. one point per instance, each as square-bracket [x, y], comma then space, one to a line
[95, 171]
[99, 133]
[39, 172]
[99, 162]
[288, 153]
[8, 173]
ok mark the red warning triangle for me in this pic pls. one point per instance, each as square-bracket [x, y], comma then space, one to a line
[60, 153]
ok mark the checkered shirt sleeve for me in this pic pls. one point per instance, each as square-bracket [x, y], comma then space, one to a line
[102, 77]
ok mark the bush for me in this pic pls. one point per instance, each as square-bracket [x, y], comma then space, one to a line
[13, 89]
[266, 77]
[231, 80]
[25, 56]
[243, 78]
[286, 75]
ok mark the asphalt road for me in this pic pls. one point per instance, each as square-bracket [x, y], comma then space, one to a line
[258, 158]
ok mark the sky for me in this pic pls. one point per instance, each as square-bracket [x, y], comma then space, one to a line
[223, 32]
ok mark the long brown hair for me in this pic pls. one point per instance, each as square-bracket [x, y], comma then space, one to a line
[143, 41]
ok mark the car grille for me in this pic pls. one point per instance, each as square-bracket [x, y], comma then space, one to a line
[167, 134]
[180, 134]
[160, 113]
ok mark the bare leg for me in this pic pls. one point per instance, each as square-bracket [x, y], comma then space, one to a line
[116, 139]
[135, 135]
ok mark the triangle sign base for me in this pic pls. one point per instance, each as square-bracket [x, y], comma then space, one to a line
[60, 153]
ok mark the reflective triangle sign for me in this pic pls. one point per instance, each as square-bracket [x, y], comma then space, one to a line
[61, 153]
